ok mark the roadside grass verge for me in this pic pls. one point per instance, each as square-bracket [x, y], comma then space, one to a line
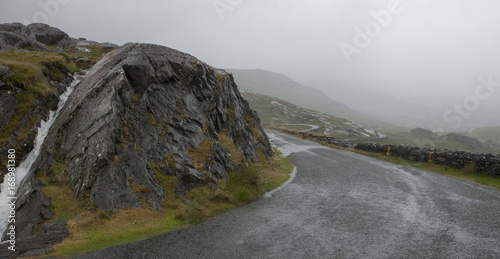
[466, 174]
[242, 186]
[92, 229]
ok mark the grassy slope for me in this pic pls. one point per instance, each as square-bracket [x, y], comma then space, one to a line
[281, 86]
[276, 112]
[29, 82]
[32, 70]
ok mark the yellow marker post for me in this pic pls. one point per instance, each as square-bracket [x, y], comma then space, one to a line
[388, 151]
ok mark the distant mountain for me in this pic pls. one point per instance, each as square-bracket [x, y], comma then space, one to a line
[383, 106]
[280, 86]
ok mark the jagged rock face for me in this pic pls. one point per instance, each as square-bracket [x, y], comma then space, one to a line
[35, 37]
[147, 109]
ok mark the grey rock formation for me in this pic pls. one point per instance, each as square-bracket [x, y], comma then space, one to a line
[146, 107]
[7, 101]
[5, 74]
[33, 207]
[16, 35]
[34, 37]
[51, 36]
[9, 40]
[143, 110]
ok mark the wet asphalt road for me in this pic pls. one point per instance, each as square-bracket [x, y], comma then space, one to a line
[342, 205]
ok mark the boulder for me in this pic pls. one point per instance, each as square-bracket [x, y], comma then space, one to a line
[145, 110]
[5, 74]
[34, 37]
[51, 36]
[9, 40]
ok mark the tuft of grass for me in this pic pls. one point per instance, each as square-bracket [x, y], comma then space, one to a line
[65, 56]
[137, 188]
[231, 113]
[64, 205]
[236, 154]
[220, 76]
[200, 155]
[170, 160]
[251, 122]
[193, 213]
[151, 120]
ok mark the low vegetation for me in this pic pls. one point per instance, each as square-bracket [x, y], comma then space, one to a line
[29, 82]
[93, 229]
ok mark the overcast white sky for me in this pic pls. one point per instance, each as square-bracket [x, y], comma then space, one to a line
[431, 52]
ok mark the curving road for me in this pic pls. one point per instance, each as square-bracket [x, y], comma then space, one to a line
[342, 205]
